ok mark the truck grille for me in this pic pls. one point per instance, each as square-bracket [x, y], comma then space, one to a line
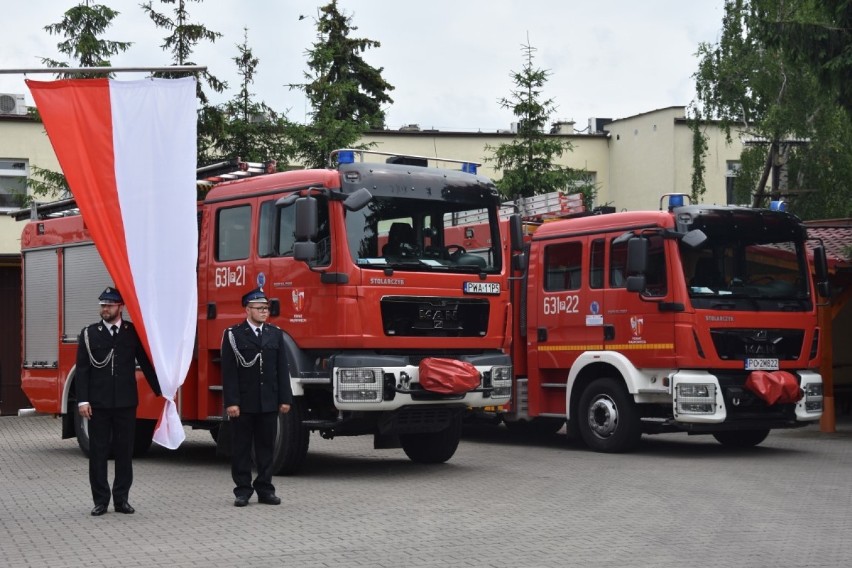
[740, 344]
[434, 317]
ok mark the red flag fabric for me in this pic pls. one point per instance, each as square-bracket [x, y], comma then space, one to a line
[127, 149]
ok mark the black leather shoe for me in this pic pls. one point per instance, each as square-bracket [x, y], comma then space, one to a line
[269, 499]
[124, 508]
[240, 501]
[99, 510]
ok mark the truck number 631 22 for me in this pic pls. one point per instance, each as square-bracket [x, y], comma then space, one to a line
[230, 276]
[566, 305]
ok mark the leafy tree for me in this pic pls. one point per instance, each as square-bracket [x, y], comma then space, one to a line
[253, 131]
[699, 152]
[185, 36]
[82, 27]
[773, 100]
[818, 33]
[527, 162]
[345, 93]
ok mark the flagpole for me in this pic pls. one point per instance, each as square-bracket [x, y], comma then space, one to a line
[169, 69]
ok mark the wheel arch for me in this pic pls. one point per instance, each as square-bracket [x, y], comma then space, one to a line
[596, 364]
[68, 392]
[298, 363]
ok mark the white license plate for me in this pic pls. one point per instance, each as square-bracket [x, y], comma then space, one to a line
[761, 364]
[482, 288]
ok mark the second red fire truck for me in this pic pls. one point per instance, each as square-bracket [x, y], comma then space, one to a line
[696, 318]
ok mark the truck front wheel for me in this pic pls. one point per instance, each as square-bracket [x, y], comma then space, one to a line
[607, 417]
[741, 438]
[433, 447]
[291, 441]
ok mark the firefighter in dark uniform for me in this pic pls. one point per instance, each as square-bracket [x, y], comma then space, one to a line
[256, 387]
[105, 379]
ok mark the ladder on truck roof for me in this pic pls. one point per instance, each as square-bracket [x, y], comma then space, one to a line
[231, 170]
[538, 208]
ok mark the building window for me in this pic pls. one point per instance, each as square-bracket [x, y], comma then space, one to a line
[13, 182]
[731, 174]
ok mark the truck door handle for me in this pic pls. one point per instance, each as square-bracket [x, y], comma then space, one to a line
[609, 332]
[542, 334]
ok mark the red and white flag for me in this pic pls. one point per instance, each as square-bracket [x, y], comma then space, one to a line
[127, 149]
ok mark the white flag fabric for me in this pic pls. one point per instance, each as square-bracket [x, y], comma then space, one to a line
[127, 149]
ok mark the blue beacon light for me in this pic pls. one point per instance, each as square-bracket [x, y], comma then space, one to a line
[675, 201]
[347, 157]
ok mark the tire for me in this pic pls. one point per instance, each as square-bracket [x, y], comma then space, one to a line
[143, 436]
[536, 427]
[291, 441]
[607, 417]
[433, 447]
[741, 438]
[81, 428]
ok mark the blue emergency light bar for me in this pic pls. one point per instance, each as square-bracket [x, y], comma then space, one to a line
[346, 157]
[675, 201]
[468, 168]
[778, 206]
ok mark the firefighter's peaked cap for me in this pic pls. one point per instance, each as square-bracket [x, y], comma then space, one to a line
[110, 296]
[255, 295]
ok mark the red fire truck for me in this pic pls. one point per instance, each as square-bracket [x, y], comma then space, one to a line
[697, 318]
[367, 278]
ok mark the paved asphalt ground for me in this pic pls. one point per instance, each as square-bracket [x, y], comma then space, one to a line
[678, 502]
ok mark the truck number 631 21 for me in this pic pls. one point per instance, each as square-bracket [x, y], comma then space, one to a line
[555, 305]
[230, 276]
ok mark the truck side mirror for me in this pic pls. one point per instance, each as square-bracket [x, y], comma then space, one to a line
[516, 233]
[358, 200]
[305, 250]
[637, 264]
[637, 255]
[306, 218]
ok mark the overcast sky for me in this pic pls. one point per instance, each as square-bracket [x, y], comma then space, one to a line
[450, 60]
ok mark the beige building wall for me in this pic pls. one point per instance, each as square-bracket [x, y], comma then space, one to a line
[651, 155]
[720, 153]
[22, 138]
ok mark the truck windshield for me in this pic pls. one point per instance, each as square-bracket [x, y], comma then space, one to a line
[731, 273]
[424, 235]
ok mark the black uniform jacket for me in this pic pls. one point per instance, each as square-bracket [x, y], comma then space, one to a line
[113, 385]
[266, 384]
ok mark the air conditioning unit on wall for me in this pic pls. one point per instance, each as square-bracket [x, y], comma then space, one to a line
[12, 104]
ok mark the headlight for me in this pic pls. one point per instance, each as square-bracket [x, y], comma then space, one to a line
[696, 398]
[813, 397]
[501, 381]
[359, 385]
